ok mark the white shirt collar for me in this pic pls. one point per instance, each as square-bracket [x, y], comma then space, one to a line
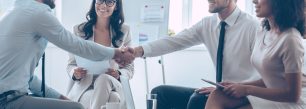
[230, 20]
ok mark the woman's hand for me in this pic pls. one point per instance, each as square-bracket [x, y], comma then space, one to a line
[114, 73]
[79, 73]
[227, 83]
[236, 90]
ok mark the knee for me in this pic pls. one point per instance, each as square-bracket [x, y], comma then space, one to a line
[159, 89]
[114, 97]
[219, 96]
[155, 90]
[197, 97]
[103, 78]
[215, 94]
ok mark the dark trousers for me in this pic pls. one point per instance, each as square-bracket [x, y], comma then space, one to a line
[174, 97]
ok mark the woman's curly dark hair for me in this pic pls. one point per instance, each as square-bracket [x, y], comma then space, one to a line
[287, 14]
[116, 22]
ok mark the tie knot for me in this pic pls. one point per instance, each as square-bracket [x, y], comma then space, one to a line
[223, 24]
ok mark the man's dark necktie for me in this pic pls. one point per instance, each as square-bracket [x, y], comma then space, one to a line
[220, 52]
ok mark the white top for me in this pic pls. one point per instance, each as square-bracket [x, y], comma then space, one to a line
[24, 33]
[274, 56]
[239, 39]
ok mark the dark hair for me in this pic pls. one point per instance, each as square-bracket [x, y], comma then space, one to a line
[116, 22]
[287, 14]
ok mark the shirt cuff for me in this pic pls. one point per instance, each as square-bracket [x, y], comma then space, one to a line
[146, 50]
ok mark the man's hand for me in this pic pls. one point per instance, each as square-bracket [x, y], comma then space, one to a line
[114, 73]
[79, 73]
[205, 90]
[124, 56]
[138, 51]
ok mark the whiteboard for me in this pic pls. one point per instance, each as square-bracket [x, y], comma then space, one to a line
[133, 9]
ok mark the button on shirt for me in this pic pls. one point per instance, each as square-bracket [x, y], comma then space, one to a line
[24, 32]
[238, 44]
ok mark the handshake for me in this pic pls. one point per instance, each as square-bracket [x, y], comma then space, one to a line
[126, 55]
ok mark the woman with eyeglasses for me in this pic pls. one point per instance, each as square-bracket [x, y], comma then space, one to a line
[105, 26]
[278, 56]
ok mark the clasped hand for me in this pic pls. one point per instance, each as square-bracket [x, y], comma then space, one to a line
[124, 56]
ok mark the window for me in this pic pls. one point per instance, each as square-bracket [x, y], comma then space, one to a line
[185, 13]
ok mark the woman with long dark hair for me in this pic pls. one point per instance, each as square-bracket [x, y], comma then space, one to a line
[278, 56]
[105, 26]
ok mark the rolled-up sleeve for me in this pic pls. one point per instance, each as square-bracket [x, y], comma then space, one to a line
[47, 26]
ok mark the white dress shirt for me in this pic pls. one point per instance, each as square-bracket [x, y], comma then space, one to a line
[24, 33]
[239, 39]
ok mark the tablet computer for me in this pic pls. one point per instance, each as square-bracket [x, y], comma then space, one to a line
[213, 83]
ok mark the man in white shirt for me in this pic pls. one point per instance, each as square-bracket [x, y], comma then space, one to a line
[24, 33]
[240, 31]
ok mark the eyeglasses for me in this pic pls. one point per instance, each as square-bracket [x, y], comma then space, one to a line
[108, 3]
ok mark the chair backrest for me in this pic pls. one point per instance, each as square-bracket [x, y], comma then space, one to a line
[127, 92]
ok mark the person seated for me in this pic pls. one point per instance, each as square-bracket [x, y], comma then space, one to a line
[105, 26]
[278, 56]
